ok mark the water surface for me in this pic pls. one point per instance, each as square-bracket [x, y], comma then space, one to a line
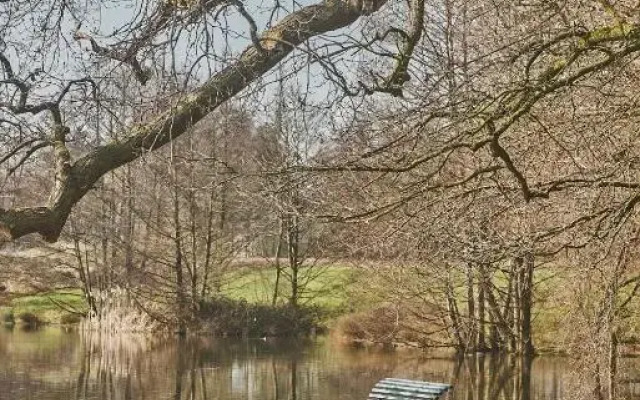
[52, 364]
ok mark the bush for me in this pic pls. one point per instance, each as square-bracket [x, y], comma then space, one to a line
[379, 325]
[6, 316]
[223, 316]
[70, 319]
[29, 319]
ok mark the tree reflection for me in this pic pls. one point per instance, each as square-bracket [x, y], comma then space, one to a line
[293, 368]
[73, 366]
[488, 377]
[180, 367]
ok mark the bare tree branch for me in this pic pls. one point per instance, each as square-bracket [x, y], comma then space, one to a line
[79, 178]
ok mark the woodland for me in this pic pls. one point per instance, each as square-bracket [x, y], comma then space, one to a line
[449, 175]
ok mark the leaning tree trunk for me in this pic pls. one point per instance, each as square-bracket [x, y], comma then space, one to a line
[74, 178]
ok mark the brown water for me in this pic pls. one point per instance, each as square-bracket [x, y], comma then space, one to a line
[53, 364]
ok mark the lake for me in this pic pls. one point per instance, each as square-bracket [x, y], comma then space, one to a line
[52, 364]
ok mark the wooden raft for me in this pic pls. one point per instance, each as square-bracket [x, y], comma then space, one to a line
[405, 389]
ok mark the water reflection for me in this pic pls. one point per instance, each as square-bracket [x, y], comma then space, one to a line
[51, 364]
[481, 377]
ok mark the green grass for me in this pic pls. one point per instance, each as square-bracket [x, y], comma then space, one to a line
[49, 307]
[326, 287]
[323, 286]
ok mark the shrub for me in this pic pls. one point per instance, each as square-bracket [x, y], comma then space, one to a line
[6, 316]
[379, 325]
[29, 319]
[223, 316]
[70, 319]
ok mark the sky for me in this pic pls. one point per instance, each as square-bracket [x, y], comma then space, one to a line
[72, 60]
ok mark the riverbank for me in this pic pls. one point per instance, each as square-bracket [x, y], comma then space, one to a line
[62, 306]
[244, 305]
[356, 304]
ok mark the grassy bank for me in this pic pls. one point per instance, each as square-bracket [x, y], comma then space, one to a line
[324, 288]
[49, 307]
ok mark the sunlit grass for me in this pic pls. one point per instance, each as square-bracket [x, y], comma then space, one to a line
[50, 307]
[326, 287]
[321, 286]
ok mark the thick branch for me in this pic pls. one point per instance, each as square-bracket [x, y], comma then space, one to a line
[277, 43]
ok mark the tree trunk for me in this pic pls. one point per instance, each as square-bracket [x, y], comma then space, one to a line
[527, 347]
[511, 308]
[128, 224]
[482, 345]
[454, 315]
[276, 288]
[472, 331]
[613, 363]
[208, 256]
[178, 267]
[294, 259]
[518, 272]
[500, 330]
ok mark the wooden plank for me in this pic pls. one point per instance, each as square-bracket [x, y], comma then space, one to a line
[406, 389]
[421, 389]
[374, 396]
[406, 394]
[416, 383]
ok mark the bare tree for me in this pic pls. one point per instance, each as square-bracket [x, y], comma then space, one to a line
[155, 31]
